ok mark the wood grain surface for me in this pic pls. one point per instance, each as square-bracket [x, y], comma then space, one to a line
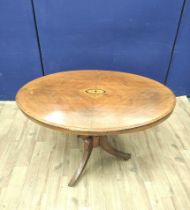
[95, 102]
[36, 164]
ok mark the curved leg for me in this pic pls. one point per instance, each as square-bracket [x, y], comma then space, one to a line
[108, 148]
[88, 146]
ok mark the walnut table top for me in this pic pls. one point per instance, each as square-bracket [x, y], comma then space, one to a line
[95, 102]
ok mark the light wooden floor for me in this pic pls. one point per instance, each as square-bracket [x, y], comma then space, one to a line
[36, 164]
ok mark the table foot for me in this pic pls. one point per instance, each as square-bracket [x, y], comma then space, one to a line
[105, 145]
[91, 142]
[88, 146]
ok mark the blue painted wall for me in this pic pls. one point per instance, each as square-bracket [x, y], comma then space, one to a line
[19, 55]
[179, 74]
[128, 35]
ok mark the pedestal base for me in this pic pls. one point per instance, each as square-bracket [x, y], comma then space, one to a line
[89, 143]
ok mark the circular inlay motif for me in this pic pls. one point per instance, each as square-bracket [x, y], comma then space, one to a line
[95, 91]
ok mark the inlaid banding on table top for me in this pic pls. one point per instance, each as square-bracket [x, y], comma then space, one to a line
[95, 91]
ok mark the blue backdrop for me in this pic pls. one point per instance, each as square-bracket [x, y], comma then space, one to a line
[19, 54]
[144, 37]
[179, 74]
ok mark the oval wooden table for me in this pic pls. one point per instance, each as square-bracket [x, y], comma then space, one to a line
[95, 103]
